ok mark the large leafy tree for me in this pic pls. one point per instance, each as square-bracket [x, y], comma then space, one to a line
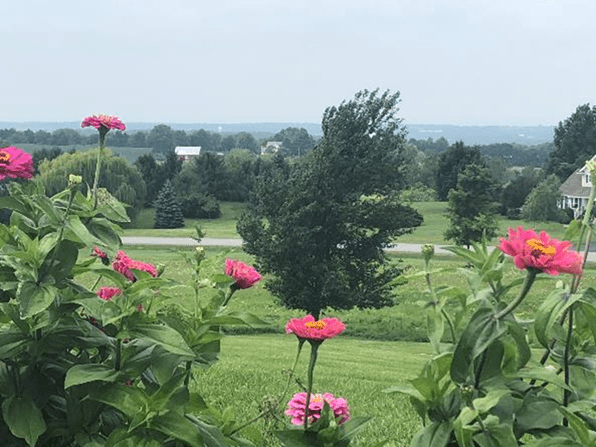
[472, 206]
[122, 180]
[321, 226]
[542, 203]
[161, 138]
[575, 142]
[294, 140]
[452, 162]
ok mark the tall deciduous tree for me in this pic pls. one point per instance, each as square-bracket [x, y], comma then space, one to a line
[321, 227]
[451, 163]
[575, 142]
[472, 206]
[161, 138]
[122, 180]
[295, 141]
[542, 203]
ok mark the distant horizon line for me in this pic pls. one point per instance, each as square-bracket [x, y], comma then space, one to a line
[279, 122]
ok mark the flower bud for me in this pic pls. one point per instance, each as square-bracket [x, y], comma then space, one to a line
[428, 251]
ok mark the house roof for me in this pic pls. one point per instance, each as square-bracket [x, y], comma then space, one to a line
[188, 150]
[573, 186]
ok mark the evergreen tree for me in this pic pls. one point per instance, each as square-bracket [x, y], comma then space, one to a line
[472, 206]
[167, 209]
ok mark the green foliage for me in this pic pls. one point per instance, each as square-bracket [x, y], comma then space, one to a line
[452, 162]
[472, 207]
[541, 205]
[161, 139]
[294, 141]
[201, 206]
[514, 194]
[575, 142]
[117, 176]
[78, 370]
[321, 225]
[167, 209]
[485, 388]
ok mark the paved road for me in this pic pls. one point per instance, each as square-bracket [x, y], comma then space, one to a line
[220, 242]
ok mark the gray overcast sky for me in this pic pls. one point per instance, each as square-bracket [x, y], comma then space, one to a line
[468, 62]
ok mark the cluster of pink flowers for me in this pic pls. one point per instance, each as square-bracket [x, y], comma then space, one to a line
[108, 293]
[541, 252]
[244, 275]
[297, 407]
[107, 121]
[123, 264]
[98, 252]
[15, 163]
[309, 329]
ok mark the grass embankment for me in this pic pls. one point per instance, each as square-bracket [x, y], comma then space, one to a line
[431, 231]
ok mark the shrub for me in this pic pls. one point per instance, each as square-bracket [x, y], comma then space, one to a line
[200, 206]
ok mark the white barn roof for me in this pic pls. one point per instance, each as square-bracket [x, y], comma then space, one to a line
[188, 150]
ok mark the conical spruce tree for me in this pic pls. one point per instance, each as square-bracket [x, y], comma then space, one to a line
[167, 209]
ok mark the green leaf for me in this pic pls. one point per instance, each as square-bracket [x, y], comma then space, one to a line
[236, 318]
[122, 438]
[49, 210]
[128, 399]
[554, 442]
[483, 329]
[78, 232]
[541, 374]
[12, 344]
[353, 426]
[538, 412]
[178, 427]
[23, 418]
[91, 372]
[212, 436]
[433, 435]
[578, 426]
[572, 230]
[296, 438]
[518, 334]
[165, 336]
[105, 231]
[549, 312]
[462, 429]
[34, 298]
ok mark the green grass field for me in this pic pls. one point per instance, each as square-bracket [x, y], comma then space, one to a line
[377, 350]
[431, 231]
[251, 370]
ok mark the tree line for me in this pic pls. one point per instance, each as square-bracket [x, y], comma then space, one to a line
[162, 138]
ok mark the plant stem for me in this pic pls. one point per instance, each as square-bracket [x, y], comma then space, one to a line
[102, 138]
[566, 392]
[443, 312]
[188, 371]
[314, 347]
[118, 354]
[530, 277]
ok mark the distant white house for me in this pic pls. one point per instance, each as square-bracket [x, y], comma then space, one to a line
[575, 191]
[187, 153]
[271, 147]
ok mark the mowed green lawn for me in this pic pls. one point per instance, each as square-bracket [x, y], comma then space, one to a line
[358, 365]
[431, 231]
[252, 370]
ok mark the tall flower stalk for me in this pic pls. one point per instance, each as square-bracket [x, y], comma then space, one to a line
[103, 124]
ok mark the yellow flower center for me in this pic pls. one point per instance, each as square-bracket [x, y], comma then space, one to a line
[538, 248]
[316, 324]
[4, 157]
[317, 398]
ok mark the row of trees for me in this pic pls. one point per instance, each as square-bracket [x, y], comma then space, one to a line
[162, 139]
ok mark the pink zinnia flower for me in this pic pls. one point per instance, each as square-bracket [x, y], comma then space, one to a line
[107, 121]
[15, 163]
[310, 329]
[99, 253]
[297, 405]
[244, 275]
[123, 264]
[107, 293]
[541, 252]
